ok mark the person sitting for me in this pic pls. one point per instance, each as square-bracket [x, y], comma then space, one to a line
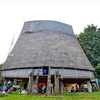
[10, 90]
[72, 89]
[82, 88]
[40, 88]
[15, 82]
[43, 89]
[7, 87]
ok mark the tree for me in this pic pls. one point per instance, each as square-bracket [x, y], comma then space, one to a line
[1, 65]
[89, 40]
[97, 69]
[0, 68]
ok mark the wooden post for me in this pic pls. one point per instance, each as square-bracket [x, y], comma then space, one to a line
[31, 80]
[4, 86]
[35, 88]
[61, 86]
[48, 91]
[80, 87]
[96, 83]
[89, 86]
[57, 82]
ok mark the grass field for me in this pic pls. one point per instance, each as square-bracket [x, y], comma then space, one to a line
[68, 96]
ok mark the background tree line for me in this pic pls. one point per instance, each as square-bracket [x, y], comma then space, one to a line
[89, 40]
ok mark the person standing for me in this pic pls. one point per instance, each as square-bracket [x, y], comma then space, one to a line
[9, 83]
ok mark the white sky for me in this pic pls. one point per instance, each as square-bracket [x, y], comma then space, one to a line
[13, 14]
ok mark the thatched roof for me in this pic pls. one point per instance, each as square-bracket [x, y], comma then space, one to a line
[47, 43]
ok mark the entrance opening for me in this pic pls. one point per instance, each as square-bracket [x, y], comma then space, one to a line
[45, 70]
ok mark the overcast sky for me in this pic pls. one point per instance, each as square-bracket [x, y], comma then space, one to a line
[13, 14]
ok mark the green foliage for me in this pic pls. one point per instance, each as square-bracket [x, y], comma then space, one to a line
[0, 68]
[97, 69]
[1, 65]
[21, 84]
[89, 40]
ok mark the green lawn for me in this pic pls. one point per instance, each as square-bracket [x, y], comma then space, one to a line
[68, 96]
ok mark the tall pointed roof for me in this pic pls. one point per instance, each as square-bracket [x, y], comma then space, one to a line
[47, 43]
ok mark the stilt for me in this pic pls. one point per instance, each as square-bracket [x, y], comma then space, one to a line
[57, 82]
[4, 86]
[77, 88]
[61, 86]
[89, 86]
[31, 81]
[35, 88]
[80, 87]
[48, 91]
[96, 83]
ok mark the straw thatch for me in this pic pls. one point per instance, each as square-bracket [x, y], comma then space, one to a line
[47, 43]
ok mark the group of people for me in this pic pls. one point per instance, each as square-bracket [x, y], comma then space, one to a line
[42, 88]
[70, 89]
[11, 86]
[8, 88]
